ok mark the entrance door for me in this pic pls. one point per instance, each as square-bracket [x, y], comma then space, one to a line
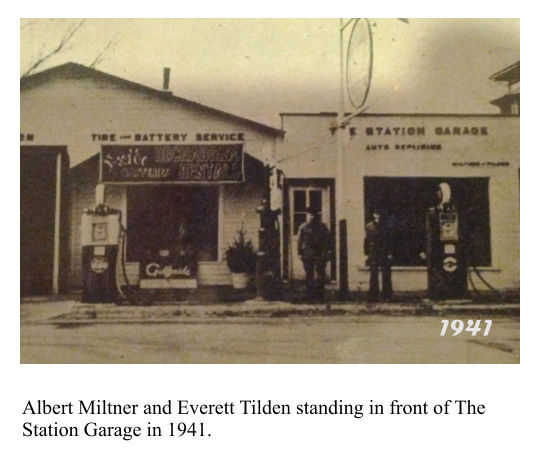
[38, 195]
[301, 200]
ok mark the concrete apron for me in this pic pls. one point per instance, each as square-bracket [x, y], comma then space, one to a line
[93, 313]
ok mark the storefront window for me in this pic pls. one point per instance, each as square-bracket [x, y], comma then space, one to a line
[405, 200]
[155, 214]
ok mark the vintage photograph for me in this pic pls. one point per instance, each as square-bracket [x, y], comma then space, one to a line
[270, 190]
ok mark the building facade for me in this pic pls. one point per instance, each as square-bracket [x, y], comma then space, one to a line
[394, 163]
[104, 122]
[168, 163]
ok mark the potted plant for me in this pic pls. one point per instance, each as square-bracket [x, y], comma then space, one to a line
[241, 259]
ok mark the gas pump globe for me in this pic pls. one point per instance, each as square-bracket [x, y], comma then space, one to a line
[100, 234]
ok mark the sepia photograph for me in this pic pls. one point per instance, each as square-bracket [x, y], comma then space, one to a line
[284, 191]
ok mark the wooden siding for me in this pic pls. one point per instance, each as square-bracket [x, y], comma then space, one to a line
[75, 110]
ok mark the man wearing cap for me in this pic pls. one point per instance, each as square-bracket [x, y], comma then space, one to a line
[378, 249]
[313, 245]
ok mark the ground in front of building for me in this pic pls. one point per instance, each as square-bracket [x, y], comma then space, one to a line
[278, 338]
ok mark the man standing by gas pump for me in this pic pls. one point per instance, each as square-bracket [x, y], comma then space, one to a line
[313, 245]
[378, 247]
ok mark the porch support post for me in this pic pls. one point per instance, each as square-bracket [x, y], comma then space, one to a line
[57, 219]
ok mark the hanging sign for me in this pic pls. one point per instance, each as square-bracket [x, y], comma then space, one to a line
[172, 163]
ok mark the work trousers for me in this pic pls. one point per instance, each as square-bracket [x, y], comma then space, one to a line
[386, 273]
[315, 277]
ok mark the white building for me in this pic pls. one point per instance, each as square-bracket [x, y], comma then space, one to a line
[394, 163]
[82, 110]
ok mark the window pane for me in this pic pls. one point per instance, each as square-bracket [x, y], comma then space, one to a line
[155, 214]
[299, 200]
[315, 199]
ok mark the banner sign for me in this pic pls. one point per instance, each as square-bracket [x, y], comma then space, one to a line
[172, 163]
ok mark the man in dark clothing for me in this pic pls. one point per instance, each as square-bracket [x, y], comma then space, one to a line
[378, 249]
[313, 244]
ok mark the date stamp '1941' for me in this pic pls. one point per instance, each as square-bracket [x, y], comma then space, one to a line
[473, 326]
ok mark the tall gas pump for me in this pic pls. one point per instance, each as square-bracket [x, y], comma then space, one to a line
[268, 272]
[445, 249]
[100, 235]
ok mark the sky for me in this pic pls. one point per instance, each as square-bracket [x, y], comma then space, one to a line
[259, 68]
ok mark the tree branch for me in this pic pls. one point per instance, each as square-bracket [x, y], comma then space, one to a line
[99, 58]
[63, 42]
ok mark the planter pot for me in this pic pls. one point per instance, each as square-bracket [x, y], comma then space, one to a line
[240, 280]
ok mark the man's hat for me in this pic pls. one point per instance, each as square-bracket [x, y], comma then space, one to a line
[313, 210]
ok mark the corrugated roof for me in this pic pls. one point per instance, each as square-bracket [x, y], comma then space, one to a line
[72, 69]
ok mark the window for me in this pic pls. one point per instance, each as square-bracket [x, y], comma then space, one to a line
[156, 212]
[303, 200]
[405, 200]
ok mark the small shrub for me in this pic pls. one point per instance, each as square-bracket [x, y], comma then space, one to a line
[241, 255]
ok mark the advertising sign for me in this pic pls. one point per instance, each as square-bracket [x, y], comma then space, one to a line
[172, 163]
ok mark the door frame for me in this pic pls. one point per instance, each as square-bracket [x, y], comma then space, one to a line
[287, 203]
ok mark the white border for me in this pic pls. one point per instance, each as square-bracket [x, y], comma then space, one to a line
[506, 437]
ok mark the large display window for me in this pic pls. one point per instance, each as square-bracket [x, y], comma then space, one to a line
[405, 200]
[155, 215]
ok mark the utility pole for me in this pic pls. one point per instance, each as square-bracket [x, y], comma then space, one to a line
[342, 123]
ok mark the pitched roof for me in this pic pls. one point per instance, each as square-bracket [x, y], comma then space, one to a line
[509, 74]
[72, 70]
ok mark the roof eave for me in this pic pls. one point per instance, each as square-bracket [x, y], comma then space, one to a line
[509, 74]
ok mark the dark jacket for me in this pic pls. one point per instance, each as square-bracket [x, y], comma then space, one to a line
[378, 244]
[313, 241]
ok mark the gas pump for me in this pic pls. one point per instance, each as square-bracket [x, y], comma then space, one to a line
[100, 235]
[267, 274]
[103, 240]
[445, 249]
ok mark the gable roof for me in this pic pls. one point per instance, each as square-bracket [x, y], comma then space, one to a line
[75, 70]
